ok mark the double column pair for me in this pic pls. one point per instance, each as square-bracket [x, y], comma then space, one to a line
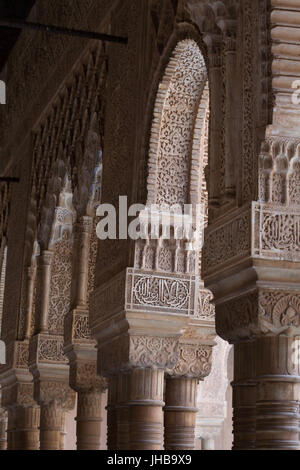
[266, 394]
[34, 428]
[150, 410]
[44, 428]
[264, 327]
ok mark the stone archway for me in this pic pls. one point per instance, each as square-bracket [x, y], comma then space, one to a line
[173, 339]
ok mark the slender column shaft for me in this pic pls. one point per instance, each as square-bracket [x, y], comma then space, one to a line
[215, 74]
[45, 277]
[50, 427]
[63, 432]
[146, 409]
[3, 427]
[232, 134]
[278, 394]
[31, 280]
[123, 411]
[244, 396]
[83, 237]
[27, 428]
[112, 430]
[207, 444]
[88, 427]
[11, 429]
[180, 413]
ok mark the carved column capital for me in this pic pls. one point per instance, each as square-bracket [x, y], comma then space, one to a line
[194, 361]
[84, 378]
[262, 311]
[131, 351]
[48, 393]
[45, 258]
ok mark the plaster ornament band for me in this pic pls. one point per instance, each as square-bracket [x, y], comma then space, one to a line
[152, 222]
[138, 291]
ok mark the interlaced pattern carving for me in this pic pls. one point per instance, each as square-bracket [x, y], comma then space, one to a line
[68, 140]
[172, 131]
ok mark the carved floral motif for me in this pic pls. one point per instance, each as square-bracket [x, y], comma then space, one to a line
[146, 351]
[193, 361]
[279, 310]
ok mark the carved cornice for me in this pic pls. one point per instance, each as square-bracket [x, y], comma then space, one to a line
[277, 232]
[89, 405]
[227, 241]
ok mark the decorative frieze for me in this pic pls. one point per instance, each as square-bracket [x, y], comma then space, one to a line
[109, 299]
[83, 376]
[277, 232]
[266, 231]
[158, 292]
[47, 349]
[151, 292]
[228, 241]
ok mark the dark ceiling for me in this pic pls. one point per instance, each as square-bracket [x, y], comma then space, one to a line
[13, 9]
